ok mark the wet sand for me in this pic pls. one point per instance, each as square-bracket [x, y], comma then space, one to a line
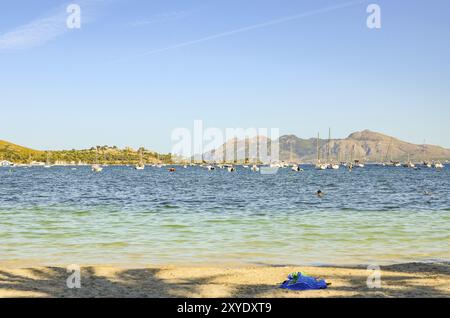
[402, 280]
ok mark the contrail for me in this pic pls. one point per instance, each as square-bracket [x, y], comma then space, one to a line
[247, 28]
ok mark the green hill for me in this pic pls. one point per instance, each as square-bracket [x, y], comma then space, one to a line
[13, 152]
[98, 154]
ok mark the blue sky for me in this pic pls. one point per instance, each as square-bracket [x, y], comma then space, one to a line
[138, 69]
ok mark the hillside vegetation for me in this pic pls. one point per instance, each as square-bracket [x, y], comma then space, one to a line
[98, 154]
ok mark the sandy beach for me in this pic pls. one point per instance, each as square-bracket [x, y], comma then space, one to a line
[403, 280]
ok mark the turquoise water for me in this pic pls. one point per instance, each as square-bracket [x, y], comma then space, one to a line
[123, 216]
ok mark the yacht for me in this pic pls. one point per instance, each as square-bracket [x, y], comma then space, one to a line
[438, 165]
[409, 164]
[140, 165]
[427, 164]
[97, 168]
[47, 162]
[359, 164]
[296, 168]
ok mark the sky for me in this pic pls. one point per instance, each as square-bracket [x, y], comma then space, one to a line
[138, 69]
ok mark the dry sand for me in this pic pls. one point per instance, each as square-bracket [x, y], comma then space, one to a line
[403, 280]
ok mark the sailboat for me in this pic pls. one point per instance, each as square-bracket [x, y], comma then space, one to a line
[425, 162]
[359, 164]
[96, 167]
[409, 164]
[438, 165]
[350, 163]
[319, 165]
[331, 164]
[140, 165]
[47, 162]
[391, 162]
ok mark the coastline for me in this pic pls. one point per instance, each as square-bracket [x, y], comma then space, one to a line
[201, 281]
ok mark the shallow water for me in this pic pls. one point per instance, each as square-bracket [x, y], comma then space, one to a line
[372, 215]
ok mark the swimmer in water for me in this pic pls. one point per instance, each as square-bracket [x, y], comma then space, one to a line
[320, 193]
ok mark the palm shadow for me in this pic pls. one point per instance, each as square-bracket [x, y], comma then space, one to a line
[406, 280]
[134, 283]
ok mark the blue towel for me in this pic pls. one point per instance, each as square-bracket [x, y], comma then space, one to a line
[298, 281]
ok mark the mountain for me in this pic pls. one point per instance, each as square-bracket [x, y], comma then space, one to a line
[364, 145]
[247, 148]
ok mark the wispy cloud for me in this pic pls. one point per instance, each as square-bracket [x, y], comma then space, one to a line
[35, 33]
[161, 18]
[247, 28]
[44, 29]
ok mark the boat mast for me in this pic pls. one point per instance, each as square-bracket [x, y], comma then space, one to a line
[141, 159]
[328, 145]
[389, 148]
[290, 154]
[318, 153]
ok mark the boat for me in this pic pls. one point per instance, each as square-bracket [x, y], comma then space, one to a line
[319, 164]
[427, 164]
[97, 168]
[438, 165]
[210, 168]
[231, 169]
[409, 164]
[47, 162]
[396, 163]
[255, 168]
[140, 165]
[358, 164]
[172, 169]
[335, 166]
[296, 168]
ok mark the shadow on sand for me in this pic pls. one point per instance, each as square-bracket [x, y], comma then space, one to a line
[405, 280]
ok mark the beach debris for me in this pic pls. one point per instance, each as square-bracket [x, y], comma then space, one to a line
[299, 281]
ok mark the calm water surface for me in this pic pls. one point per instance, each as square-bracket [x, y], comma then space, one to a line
[123, 216]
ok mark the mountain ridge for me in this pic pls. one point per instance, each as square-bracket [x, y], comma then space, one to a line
[365, 145]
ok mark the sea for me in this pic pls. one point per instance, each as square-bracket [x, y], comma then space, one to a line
[122, 216]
